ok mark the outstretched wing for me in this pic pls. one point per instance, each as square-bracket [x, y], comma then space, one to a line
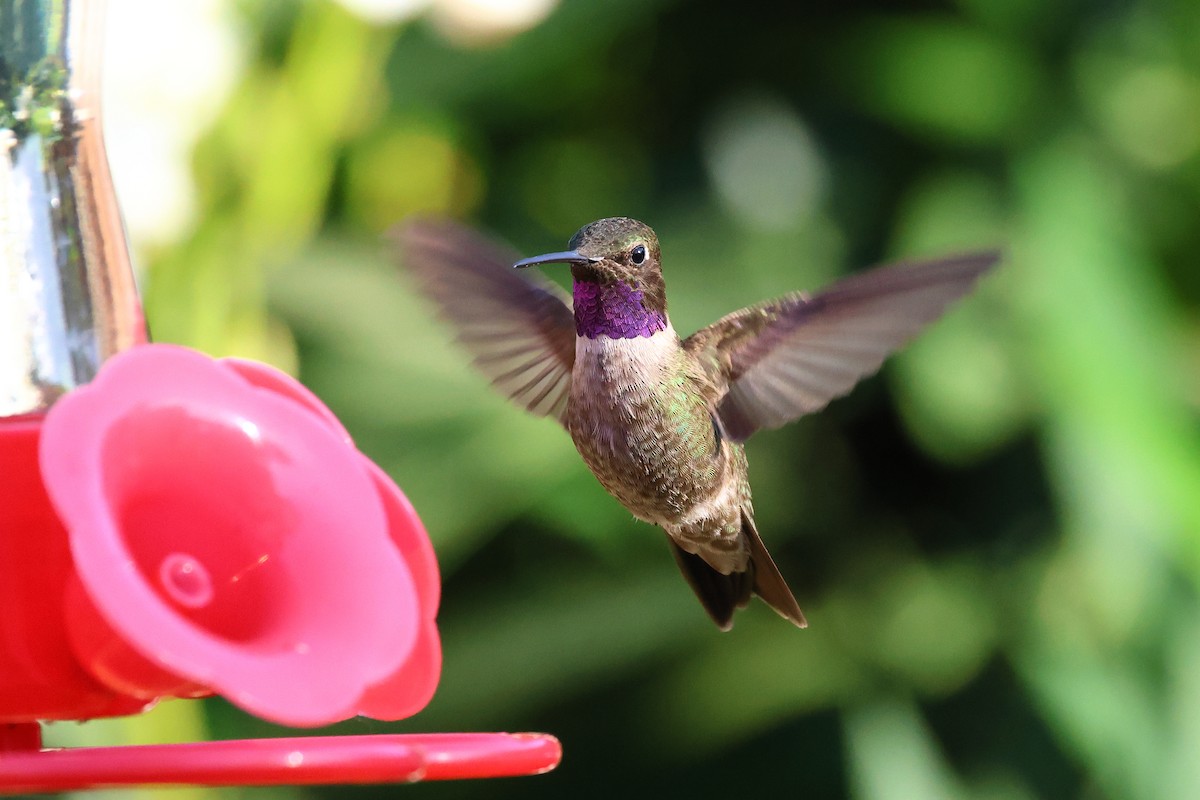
[520, 330]
[779, 360]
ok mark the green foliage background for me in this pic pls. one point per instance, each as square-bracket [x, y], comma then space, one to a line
[997, 541]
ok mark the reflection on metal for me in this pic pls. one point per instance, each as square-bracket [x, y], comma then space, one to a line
[67, 294]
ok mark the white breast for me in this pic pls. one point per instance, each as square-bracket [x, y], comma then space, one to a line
[617, 377]
[626, 360]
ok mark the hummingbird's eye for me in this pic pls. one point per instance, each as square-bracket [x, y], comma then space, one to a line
[638, 254]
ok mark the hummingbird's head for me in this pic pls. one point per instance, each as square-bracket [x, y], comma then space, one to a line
[615, 257]
[616, 249]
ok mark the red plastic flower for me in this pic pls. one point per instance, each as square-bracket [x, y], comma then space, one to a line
[228, 537]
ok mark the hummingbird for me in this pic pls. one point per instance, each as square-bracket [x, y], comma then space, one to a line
[661, 420]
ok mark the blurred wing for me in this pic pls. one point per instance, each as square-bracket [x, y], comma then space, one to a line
[520, 330]
[788, 357]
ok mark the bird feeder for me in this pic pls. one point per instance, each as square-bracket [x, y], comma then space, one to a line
[177, 526]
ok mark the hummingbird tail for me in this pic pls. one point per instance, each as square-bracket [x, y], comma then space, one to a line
[768, 583]
[721, 595]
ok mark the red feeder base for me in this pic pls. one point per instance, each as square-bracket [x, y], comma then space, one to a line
[382, 758]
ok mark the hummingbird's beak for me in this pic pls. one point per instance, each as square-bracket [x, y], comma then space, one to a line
[565, 257]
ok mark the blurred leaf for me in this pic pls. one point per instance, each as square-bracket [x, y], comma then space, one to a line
[926, 625]
[1105, 353]
[893, 755]
[764, 164]
[740, 685]
[949, 81]
[1182, 777]
[935, 627]
[1103, 711]
[413, 166]
[564, 182]
[561, 57]
[1151, 112]
[534, 648]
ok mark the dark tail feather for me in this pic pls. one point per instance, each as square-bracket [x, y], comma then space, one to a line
[721, 595]
[768, 583]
